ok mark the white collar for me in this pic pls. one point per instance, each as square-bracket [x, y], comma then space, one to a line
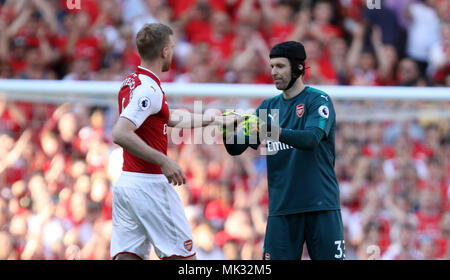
[143, 68]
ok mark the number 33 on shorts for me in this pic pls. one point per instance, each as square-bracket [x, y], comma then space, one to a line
[340, 249]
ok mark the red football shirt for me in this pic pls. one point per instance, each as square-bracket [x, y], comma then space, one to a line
[143, 102]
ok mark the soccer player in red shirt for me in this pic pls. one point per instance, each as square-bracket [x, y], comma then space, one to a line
[146, 208]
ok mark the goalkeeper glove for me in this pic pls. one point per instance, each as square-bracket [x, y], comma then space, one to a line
[222, 128]
[250, 124]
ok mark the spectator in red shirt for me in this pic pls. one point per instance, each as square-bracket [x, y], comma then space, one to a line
[338, 48]
[428, 215]
[221, 37]
[180, 7]
[81, 42]
[218, 208]
[319, 70]
[443, 240]
[197, 22]
[278, 20]
[245, 63]
[321, 27]
[12, 161]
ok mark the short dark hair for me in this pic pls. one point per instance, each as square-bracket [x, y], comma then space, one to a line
[152, 39]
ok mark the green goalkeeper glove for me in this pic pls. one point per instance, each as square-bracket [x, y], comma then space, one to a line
[223, 129]
[250, 124]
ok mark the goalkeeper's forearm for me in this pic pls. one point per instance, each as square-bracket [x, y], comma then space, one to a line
[307, 139]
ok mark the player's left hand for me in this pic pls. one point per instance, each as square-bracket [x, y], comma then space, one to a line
[250, 125]
[227, 122]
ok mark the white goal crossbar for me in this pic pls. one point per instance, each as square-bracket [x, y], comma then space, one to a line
[105, 93]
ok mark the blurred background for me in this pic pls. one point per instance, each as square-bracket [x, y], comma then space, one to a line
[58, 163]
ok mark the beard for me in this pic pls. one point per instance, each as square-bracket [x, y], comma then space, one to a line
[166, 65]
[281, 84]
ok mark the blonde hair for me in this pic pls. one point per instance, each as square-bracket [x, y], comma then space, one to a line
[152, 39]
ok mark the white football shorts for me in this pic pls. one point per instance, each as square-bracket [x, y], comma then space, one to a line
[148, 211]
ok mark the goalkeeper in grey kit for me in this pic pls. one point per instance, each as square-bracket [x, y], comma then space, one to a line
[304, 201]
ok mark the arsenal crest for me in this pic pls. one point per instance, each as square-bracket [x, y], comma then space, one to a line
[188, 245]
[300, 110]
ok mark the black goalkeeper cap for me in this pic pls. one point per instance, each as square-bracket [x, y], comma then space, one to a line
[294, 51]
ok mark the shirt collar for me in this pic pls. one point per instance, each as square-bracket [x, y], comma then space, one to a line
[150, 73]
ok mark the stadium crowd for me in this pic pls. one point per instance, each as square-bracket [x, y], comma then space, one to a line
[57, 163]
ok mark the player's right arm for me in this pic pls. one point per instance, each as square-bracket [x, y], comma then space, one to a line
[124, 135]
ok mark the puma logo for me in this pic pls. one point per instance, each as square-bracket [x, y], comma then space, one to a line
[272, 117]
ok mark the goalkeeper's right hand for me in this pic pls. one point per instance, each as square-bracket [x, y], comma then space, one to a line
[224, 126]
[250, 125]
